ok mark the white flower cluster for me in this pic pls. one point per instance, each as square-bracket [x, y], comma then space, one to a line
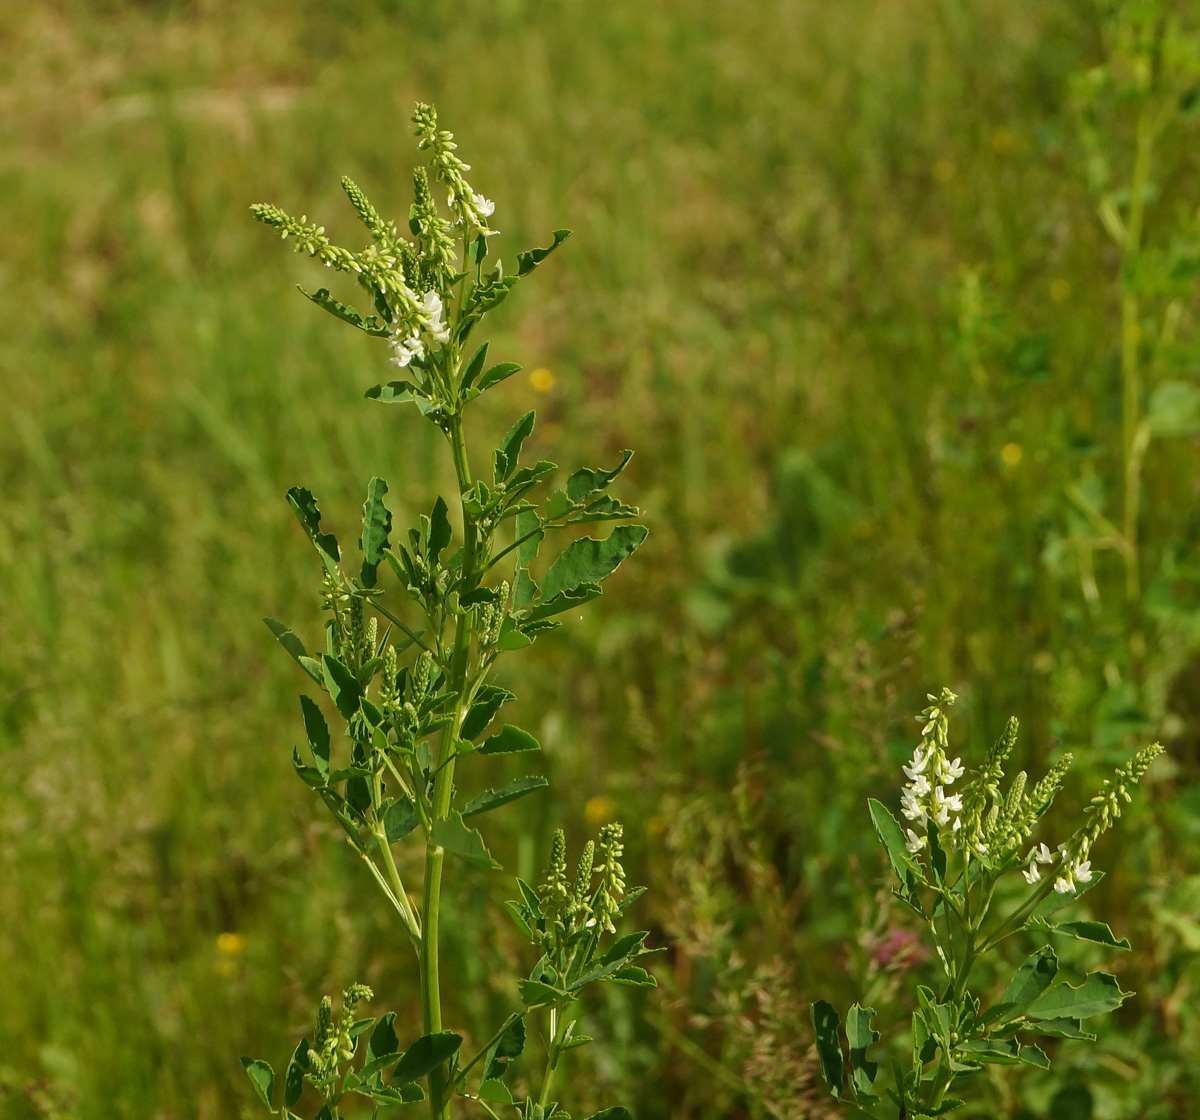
[1075, 869]
[924, 798]
[406, 341]
[1040, 854]
[929, 773]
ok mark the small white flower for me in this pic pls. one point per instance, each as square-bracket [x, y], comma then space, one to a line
[944, 806]
[1064, 885]
[949, 771]
[405, 349]
[1043, 854]
[915, 843]
[920, 760]
[912, 808]
[485, 207]
[1031, 873]
[920, 785]
[431, 304]
[1083, 871]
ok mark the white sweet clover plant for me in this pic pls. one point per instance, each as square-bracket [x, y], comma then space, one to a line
[410, 680]
[970, 865]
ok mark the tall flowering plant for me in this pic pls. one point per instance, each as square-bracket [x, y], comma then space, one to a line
[970, 864]
[407, 674]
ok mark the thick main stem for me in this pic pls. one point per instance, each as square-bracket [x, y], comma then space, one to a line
[443, 784]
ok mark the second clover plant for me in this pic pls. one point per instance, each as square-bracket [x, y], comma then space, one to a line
[411, 680]
[973, 865]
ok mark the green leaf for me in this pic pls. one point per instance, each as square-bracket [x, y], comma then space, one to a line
[564, 602]
[495, 1092]
[304, 506]
[529, 533]
[496, 374]
[488, 701]
[294, 647]
[528, 261]
[383, 1048]
[829, 1046]
[262, 1077]
[1033, 978]
[1092, 931]
[384, 1094]
[509, 740]
[586, 481]
[394, 392]
[991, 1050]
[450, 833]
[323, 299]
[1099, 993]
[634, 976]
[427, 1053]
[504, 458]
[1034, 1056]
[473, 367]
[891, 836]
[536, 994]
[440, 533]
[589, 561]
[377, 526]
[399, 820]
[937, 856]
[521, 916]
[526, 476]
[494, 798]
[343, 686]
[860, 1035]
[317, 731]
[505, 1050]
[1173, 409]
[1059, 1028]
[293, 1084]
[614, 1113]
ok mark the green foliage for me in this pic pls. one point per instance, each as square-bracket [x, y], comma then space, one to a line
[407, 725]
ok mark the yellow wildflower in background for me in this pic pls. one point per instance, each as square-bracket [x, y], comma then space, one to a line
[1011, 454]
[541, 380]
[231, 944]
[600, 809]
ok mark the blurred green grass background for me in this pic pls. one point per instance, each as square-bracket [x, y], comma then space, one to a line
[837, 276]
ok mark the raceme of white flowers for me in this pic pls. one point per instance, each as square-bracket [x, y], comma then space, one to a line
[929, 773]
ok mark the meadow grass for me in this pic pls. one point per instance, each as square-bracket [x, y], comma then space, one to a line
[847, 294]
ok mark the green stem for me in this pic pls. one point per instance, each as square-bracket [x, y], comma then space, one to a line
[552, 1054]
[443, 788]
